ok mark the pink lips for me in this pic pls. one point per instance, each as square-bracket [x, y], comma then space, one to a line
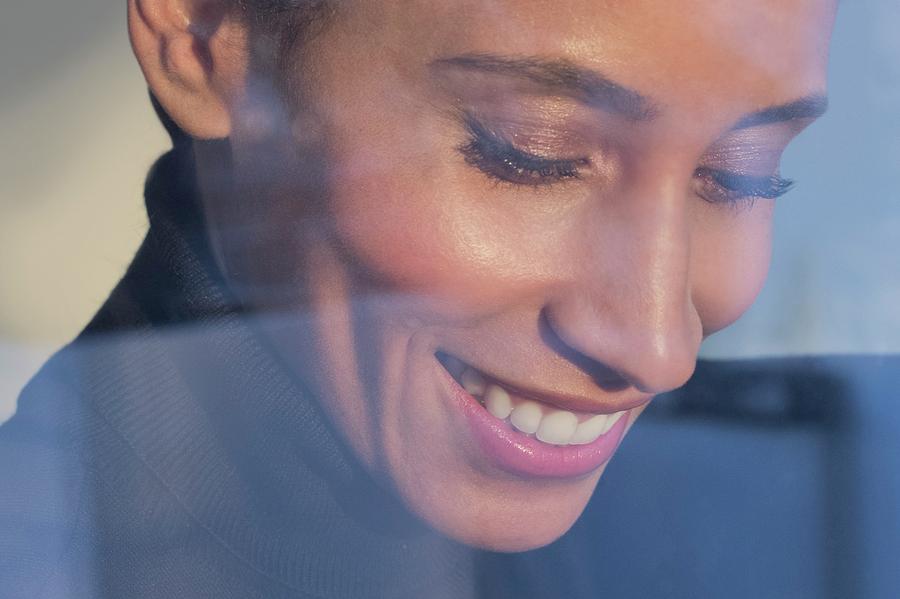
[520, 454]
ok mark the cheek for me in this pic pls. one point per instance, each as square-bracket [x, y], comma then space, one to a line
[730, 263]
[422, 227]
[427, 249]
[394, 235]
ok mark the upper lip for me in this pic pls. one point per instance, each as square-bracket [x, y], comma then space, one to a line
[569, 402]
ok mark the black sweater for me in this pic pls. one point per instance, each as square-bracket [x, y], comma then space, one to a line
[167, 453]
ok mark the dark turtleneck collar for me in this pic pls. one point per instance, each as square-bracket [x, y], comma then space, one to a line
[181, 375]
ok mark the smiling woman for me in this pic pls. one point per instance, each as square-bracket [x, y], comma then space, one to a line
[413, 272]
[544, 197]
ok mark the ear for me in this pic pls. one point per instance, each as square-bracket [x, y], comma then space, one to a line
[194, 56]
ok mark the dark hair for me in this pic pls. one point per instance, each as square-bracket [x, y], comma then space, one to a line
[278, 27]
[286, 18]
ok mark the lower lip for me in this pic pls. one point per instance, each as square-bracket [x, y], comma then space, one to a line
[520, 454]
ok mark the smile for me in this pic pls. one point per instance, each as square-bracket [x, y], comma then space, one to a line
[548, 424]
[528, 436]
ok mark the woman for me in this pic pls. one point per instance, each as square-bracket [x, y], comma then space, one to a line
[478, 236]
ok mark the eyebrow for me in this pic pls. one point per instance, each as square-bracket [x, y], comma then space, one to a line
[562, 76]
[594, 89]
[808, 107]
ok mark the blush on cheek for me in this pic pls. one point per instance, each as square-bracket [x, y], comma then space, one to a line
[426, 244]
[395, 243]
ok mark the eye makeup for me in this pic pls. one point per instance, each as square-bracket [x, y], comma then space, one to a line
[725, 187]
[743, 166]
[499, 153]
[495, 155]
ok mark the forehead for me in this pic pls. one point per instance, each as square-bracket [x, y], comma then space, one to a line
[695, 53]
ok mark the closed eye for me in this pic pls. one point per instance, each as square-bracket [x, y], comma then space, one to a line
[721, 186]
[498, 158]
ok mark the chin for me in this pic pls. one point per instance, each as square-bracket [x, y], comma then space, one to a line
[525, 537]
[507, 515]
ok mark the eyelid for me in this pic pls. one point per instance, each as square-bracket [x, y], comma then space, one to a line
[737, 187]
[495, 155]
[537, 140]
[751, 151]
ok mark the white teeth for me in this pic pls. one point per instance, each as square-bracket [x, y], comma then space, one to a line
[472, 382]
[498, 402]
[591, 429]
[611, 421]
[526, 417]
[557, 427]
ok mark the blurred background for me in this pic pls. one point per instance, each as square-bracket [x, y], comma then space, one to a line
[79, 135]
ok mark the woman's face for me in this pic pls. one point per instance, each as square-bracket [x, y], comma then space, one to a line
[549, 202]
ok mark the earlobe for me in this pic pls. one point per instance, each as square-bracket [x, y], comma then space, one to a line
[194, 58]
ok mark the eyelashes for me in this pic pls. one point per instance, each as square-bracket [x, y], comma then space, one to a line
[500, 160]
[720, 186]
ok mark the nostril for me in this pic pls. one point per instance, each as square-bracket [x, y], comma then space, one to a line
[606, 377]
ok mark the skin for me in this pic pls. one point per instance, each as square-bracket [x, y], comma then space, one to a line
[371, 243]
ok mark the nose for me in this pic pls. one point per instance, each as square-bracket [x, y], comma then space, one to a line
[627, 306]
